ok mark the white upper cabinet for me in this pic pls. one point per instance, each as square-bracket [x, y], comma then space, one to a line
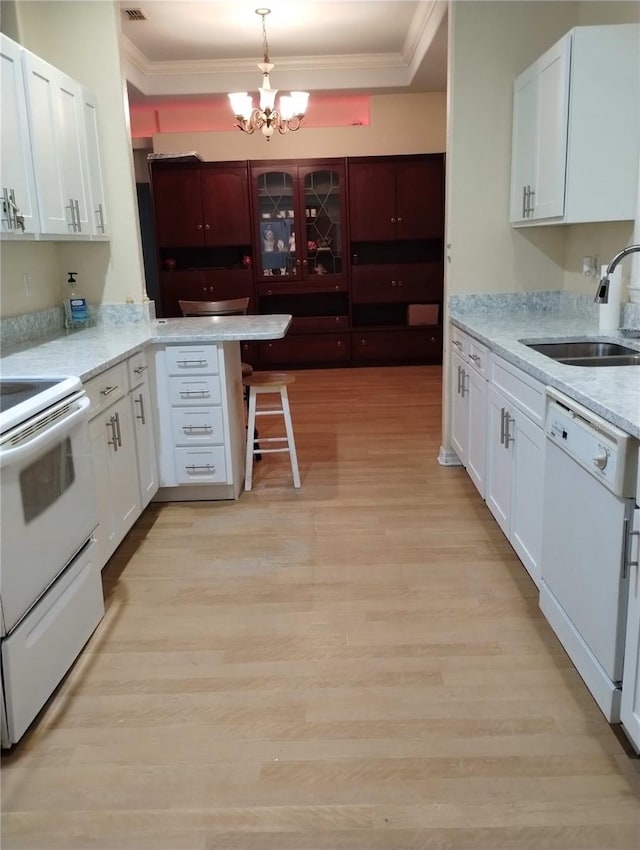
[98, 216]
[52, 177]
[57, 136]
[576, 130]
[17, 183]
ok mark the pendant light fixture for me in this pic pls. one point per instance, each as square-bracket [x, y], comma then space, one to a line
[291, 108]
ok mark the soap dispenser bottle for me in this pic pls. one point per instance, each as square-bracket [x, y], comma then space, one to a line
[75, 307]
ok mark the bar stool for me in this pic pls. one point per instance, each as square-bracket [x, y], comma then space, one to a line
[261, 383]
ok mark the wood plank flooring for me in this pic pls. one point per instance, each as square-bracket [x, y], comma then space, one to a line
[357, 665]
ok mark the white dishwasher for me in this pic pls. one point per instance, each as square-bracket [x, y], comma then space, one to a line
[589, 489]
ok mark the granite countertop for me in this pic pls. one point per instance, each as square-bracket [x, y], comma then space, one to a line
[86, 353]
[612, 392]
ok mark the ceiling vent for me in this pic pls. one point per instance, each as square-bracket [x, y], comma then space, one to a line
[134, 15]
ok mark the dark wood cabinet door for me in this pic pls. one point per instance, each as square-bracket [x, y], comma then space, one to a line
[397, 282]
[322, 246]
[420, 199]
[178, 208]
[306, 349]
[372, 201]
[201, 285]
[397, 346]
[225, 206]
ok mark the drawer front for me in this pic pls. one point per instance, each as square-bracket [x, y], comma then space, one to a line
[478, 357]
[402, 282]
[204, 465]
[302, 324]
[197, 426]
[192, 360]
[107, 387]
[306, 349]
[525, 392]
[195, 391]
[459, 341]
[399, 346]
[138, 367]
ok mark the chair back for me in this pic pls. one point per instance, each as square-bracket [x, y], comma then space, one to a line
[231, 307]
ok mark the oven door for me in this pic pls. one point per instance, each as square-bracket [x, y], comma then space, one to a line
[49, 507]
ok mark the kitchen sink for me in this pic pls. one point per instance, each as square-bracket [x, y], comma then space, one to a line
[588, 353]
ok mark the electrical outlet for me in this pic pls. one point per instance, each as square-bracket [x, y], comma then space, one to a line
[26, 283]
[590, 266]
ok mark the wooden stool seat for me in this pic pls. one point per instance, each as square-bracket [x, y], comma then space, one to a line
[262, 383]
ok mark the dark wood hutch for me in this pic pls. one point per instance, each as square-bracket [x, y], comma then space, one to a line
[352, 248]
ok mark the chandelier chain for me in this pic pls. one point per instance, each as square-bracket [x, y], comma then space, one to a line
[265, 43]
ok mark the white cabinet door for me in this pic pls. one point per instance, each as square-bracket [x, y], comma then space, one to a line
[98, 214]
[476, 429]
[498, 471]
[115, 465]
[142, 411]
[459, 419]
[526, 508]
[630, 705]
[551, 135]
[59, 153]
[17, 182]
[524, 158]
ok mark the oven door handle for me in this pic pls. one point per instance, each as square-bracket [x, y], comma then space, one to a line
[44, 438]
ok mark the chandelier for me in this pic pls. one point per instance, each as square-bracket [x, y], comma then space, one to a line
[266, 117]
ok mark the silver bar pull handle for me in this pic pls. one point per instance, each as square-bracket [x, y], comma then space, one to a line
[141, 416]
[463, 388]
[140, 369]
[530, 202]
[194, 394]
[118, 431]
[197, 429]
[507, 430]
[524, 202]
[503, 414]
[100, 219]
[108, 390]
[76, 206]
[72, 210]
[459, 376]
[114, 438]
[206, 468]
[457, 343]
[6, 208]
[626, 556]
[186, 364]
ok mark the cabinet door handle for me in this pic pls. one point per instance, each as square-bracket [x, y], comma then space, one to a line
[628, 545]
[463, 389]
[530, 198]
[100, 219]
[458, 385]
[507, 430]
[475, 358]
[197, 429]
[189, 364]
[503, 413]
[207, 227]
[198, 227]
[139, 370]
[72, 210]
[456, 342]
[114, 438]
[205, 468]
[108, 390]
[393, 221]
[399, 283]
[524, 202]
[118, 431]
[194, 394]
[399, 219]
[393, 283]
[140, 401]
[76, 205]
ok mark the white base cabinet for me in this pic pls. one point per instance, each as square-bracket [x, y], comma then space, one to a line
[200, 423]
[630, 703]
[469, 368]
[122, 434]
[515, 459]
[569, 164]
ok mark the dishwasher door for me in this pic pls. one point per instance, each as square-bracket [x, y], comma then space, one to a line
[583, 586]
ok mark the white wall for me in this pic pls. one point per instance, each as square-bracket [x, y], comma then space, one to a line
[400, 124]
[82, 39]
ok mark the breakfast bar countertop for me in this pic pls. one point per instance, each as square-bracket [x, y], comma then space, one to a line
[86, 353]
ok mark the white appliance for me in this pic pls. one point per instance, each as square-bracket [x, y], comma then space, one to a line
[589, 486]
[50, 587]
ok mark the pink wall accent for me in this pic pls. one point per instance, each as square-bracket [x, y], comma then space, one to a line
[213, 114]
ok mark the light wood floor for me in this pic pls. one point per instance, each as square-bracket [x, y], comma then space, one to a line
[358, 664]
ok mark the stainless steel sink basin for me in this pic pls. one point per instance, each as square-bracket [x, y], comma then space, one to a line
[588, 353]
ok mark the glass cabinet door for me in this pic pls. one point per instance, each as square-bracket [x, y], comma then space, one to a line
[323, 214]
[276, 225]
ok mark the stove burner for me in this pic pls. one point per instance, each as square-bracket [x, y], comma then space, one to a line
[16, 390]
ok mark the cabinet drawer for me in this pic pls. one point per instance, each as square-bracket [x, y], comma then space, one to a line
[478, 356]
[204, 465]
[459, 341]
[300, 324]
[396, 282]
[192, 360]
[398, 346]
[525, 392]
[137, 367]
[107, 387]
[195, 391]
[306, 349]
[194, 426]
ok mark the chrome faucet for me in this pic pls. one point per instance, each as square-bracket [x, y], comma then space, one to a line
[602, 294]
